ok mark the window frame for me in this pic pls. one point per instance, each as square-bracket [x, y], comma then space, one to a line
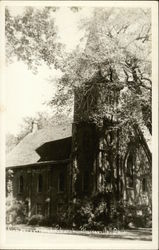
[130, 172]
[61, 174]
[21, 184]
[40, 183]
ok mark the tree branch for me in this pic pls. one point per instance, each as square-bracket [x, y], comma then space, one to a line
[147, 79]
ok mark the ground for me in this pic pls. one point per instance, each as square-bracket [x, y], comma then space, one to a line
[71, 239]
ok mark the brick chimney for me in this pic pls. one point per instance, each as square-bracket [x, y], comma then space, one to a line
[34, 126]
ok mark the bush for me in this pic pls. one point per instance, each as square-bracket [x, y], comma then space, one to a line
[49, 221]
[40, 220]
[36, 220]
[98, 213]
[15, 211]
[86, 214]
[138, 215]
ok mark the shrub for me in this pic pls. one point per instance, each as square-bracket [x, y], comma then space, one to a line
[138, 215]
[15, 211]
[37, 219]
[86, 214]
[50, 221]
[97, 213]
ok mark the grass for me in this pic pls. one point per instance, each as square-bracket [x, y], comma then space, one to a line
[132, 234]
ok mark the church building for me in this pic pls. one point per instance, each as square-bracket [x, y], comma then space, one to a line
[50, 166]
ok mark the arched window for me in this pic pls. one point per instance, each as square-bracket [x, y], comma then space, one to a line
[144, 185]
[40, 183]
[61, 182]
[21, 184]
[130, 174]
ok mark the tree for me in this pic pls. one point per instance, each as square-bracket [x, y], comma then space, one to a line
[11, 142]
[118, 43]
[32, 37]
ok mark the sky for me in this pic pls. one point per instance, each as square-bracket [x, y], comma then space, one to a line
[25, 91]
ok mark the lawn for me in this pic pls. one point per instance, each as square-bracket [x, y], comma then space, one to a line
[24, 237]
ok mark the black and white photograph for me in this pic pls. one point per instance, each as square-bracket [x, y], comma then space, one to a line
[79, 125]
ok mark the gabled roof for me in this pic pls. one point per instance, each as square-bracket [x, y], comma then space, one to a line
[25, 152]
[147, 136]
[144, 137]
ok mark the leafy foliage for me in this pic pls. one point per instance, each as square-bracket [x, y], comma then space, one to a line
[16, 212]
[99, 214]
[32, 37]
[139, 215]
[36, 220]
[119, 46]
[9, 178]
[118, 42]
[11, 142]
[87, 214]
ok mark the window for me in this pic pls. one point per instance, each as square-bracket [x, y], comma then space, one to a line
[144, 185]
[38, 208]
[61, 182]
[130, 173]
[109, 138]
[40, 183]
[21, 184]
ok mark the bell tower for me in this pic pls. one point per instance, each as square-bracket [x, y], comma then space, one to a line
[94, 102]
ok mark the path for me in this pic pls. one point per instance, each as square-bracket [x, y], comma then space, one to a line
[34, 240]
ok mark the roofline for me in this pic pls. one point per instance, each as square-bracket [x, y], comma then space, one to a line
[63, 138]
[41, 163]
[47, 142]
